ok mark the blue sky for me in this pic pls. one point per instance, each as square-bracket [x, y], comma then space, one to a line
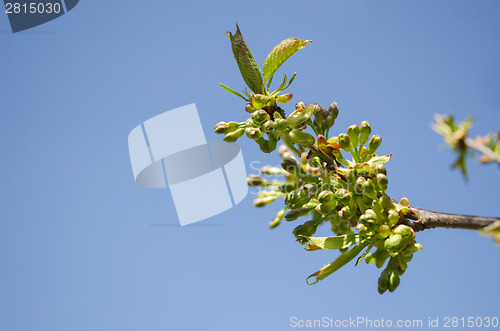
[82, 247]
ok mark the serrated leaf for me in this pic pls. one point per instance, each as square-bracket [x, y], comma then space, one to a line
[338, 242]
[230, 90]
[339, 262]
[246, 63]
[380, 159]
[280, 53]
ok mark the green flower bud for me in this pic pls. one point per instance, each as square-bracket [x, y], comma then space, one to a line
[386, 202]
[380, 169]
[374, 143]
[268, 126]
[231, 137]
[260, 100]
[344, 196]
[260, 116]
[221, 128]
[287, 188]
[280, 124]
[249, 108]
[393, 217]
[301, 138]
[333, 112]
[383, 232]
[403, 230]
[345, 142]
[394, 242]
[370, 215]
[285, 98]
[369, 189]
[292, 215]
[393, 281]
[256, 180]
[405, 202]
[253, 133]
[301, 104]
[382, 182]
[277, 219]
[353, 132]
[364, 132]
[261, 202]
[325, 196]
[299, 116]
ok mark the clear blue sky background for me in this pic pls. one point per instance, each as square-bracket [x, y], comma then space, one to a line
[82, 247]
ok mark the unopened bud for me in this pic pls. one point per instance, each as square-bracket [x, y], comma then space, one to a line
[403, 230]
[343, 195]
[260, 116]
[292, 215]
[393, 281]
[280, 124]
[382, 182]
[374, 143]
[253, 133]
[405, 202]
[267, 126]
[301, 104]
[364, 132]
[333, 111]
[231, 137]
[249, 108]
[325, 196]
[345, 142]
[255, 180]
[393, 217]
[383, 232]
[353, 132]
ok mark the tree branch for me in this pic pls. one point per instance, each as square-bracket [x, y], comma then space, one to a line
[426, 219]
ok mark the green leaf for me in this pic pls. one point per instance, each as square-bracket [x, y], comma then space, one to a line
[361, 257]
[338, 242]
[230, 90]
[380, 159]
[280, 53]
[246, 63]
[339, 262]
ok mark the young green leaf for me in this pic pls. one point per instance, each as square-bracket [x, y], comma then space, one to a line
[339, 262]
[230, 90]
[338, 242]
[246, 63]
[280, 53]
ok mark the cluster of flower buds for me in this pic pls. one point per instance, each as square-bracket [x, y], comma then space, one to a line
[324, 119]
